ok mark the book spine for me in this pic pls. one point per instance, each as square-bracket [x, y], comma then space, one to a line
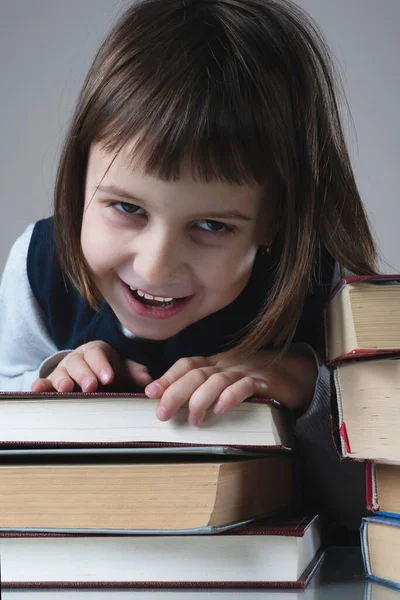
[370, 487]
[364, 547]
[344, 440]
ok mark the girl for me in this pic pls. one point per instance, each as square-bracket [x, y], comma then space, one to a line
[203, 197]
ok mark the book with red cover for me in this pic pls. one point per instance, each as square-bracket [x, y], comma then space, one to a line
[266, 554]
[383, 489]
[99, 422]
[341, 336]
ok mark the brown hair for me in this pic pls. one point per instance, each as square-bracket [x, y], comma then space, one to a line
[246, 91]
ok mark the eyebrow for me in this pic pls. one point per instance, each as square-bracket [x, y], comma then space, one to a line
[115, 190]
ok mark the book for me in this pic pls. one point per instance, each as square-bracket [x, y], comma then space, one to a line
[310, 593]
[373, 591]
[57, 420]
[383, 489]
[380, 540]
[264, 554]
[368, 397]
[177, 494]
[363, 317]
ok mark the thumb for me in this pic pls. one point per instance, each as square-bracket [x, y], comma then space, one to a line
[261, 388]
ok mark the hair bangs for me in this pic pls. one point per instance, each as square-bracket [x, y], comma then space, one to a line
[197, 107]
[198, 139]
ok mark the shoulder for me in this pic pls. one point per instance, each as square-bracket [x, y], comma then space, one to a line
[42, 248]
[14, 280]
[43, 268]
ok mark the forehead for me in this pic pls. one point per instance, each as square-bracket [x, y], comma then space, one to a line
[120, 169]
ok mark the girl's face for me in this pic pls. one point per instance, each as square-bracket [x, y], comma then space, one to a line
[189, 246]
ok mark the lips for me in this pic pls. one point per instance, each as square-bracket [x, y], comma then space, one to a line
[152, 307]
[149, 300]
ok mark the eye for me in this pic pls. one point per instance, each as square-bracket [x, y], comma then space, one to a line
[214, 226]
[128, 209]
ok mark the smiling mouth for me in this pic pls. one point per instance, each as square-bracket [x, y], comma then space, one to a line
[157, 301]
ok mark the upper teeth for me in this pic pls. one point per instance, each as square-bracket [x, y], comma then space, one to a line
[149, 296]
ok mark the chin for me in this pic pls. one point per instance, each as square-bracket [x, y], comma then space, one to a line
[156, 336]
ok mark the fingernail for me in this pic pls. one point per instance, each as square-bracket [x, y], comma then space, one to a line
[87, 382]
[153, 389]
[219, 408]
[105, 376]
[64, 383]
[161, 413]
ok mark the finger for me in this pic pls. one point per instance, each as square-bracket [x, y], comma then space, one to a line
[208, 393]
[179, 392]
[58, 381]
[102, 360]
[238, 392]
[42, 385]
[76, 369]
[182, 366]
[137, 372]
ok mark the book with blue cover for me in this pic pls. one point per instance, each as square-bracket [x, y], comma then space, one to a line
[380, 545]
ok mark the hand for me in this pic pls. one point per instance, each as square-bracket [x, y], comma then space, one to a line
[205, 382]
[222, 383]
[91, 364]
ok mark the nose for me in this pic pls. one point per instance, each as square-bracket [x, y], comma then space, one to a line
[158, 257]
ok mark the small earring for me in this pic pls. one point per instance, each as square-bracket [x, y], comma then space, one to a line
[265, 250]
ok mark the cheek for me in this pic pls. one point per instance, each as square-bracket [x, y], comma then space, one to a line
[97, 245]
[232, 271]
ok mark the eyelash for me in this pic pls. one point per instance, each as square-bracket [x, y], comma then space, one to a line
[227, 228]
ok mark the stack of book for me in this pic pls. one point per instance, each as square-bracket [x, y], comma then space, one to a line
[96, 492]
[363, 334]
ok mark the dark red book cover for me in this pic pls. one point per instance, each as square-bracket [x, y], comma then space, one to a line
[377, 279]
[289, 527]
[151, 443]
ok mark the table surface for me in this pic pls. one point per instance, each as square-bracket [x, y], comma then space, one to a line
[340, 577]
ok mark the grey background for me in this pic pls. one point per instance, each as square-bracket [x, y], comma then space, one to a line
[46, 47]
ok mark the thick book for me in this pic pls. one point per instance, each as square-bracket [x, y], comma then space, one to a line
[383, 489]
[380, 541]
[177, 494]
[368, 400]
[265, 554]
[57, 420]
[363, 317]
